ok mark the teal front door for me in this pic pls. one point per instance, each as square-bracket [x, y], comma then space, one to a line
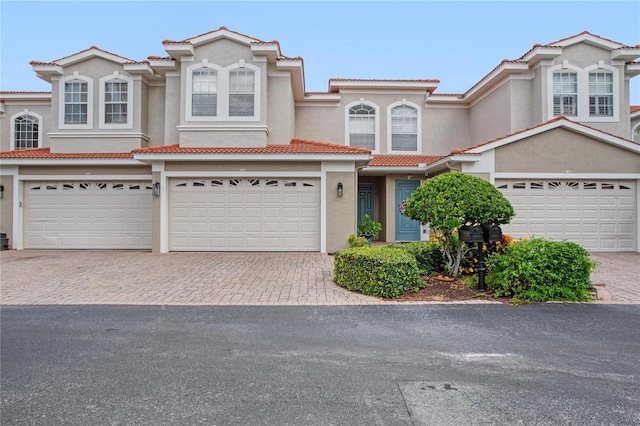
[406, 229]
[365, 201]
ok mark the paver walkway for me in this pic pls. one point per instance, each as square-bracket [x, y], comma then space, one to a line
[38, 277]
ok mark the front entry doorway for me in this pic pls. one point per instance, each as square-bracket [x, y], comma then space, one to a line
[406, 229]
[365, 201]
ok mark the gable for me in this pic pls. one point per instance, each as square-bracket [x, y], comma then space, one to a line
[559, 150]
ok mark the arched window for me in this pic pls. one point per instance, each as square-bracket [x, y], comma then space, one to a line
[26, 131]
[76, 102]
[362, 126]
[116, 101]
[565, 93]
[404, 128]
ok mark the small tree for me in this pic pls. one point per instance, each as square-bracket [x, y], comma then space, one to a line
[450, 200]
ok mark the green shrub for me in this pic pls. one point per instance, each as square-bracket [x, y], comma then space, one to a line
[539, 270]
[428, 255]
[355, 241]
[377, 271]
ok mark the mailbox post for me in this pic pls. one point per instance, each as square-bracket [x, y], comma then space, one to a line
[484, 233]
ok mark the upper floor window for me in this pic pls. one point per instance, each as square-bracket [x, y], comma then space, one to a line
[204, 93]
[241, 93]
[26, 130]
[218, 93]
[362, 126]
[590, 94]
[115, 102]
[601, 94]
[404, 128]
[116, 96]
[76, 101]
[565, 94]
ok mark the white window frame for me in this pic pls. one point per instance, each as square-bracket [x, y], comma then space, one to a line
[418, 127]
[61, 114]
[583, 91]
[635, 132]
[122, 77]
[13, 128]
[222, 92]
[563, 94]
[347, 131]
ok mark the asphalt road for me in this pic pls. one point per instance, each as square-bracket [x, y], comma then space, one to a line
[549, 364]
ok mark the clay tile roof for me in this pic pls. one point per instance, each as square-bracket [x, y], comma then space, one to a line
[403, 160]
[634, 108]
[18, 92]
[297, 146]
[45, 153]
[559, 118]
[375, 80]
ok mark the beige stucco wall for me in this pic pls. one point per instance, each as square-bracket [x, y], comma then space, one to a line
[6, 208]
[445, 128]
[341, 211]
[490, 117]
[561, 150]
[322, 123]
[279, 110]
[19, 107]
[156, 115]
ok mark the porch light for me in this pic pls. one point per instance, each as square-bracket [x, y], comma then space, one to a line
[1, 191]
[156, 189]
[340, 189]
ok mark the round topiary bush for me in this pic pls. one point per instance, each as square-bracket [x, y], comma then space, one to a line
[377, 271]
[538, 270]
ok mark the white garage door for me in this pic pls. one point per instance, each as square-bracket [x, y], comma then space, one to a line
[598, 215]
[87, 215]
[244, 214]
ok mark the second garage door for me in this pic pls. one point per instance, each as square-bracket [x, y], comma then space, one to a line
[247, 214]
[598, 215]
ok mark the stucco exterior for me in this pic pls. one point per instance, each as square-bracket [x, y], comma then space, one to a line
[502, 127]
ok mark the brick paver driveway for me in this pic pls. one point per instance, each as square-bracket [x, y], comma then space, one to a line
[40, 277]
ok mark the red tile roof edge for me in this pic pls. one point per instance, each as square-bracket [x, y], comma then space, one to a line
[55, 61]
[553, 120]
[403, 160]
[297, 146]
[45, 153]
[634, 108]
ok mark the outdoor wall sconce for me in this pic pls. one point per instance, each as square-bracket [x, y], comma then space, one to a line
[156, 189]
[340, 189]
[1, 191]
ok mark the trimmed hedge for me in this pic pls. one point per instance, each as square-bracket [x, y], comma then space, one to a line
[538, 270]
[427, 254]
[377, 271]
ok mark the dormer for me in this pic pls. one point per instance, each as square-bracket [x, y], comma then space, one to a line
[96, 102]
[223, 78]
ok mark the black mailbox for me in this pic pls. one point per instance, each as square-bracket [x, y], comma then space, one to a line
[492, 233]
[471, 234]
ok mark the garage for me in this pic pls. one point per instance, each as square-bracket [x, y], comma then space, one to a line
[244, 214]
[598, 215]
[87, 215]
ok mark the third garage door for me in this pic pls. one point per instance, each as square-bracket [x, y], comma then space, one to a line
[598, 215]
[244, 214]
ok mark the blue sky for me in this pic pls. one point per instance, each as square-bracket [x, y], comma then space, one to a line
[455, 42]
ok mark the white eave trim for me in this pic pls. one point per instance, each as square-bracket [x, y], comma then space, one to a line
[632, 69]
[540, 53]
[178, 50]
[626, 55]
[502, 71]
[456, 158]
[392, 169]
[427, 86]
[25, 96]
[221, 33]
[70, 162]
[140, 69]
[148, 157]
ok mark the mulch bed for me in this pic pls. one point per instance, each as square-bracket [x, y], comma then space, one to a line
[445, 289]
